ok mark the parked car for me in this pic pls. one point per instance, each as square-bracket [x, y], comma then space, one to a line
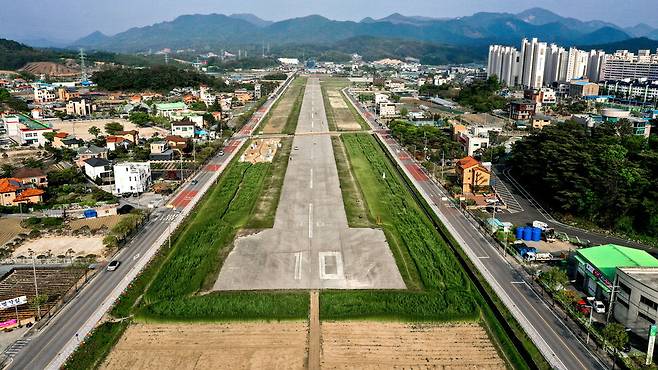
[599, 307]
[194, 182]
[113, 265]
[221, 153]
[583, 307]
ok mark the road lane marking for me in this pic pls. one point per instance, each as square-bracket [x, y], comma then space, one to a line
[310, 220]
[311, 183]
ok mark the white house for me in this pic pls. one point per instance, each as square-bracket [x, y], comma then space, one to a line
[184, 128]
[387, 110]
[381, 98]
[471, 142]
[99, 168]
[171, 109]
[132, 177]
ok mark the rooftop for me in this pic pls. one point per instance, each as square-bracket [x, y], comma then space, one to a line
[607, 258]
[97, 162]
[27, 193]
[170, 106]
[645, 275]
[8, 185]
[26, 172]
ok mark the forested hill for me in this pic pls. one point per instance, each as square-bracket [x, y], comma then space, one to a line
[608, 177]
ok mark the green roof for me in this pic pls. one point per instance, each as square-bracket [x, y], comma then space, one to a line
[606, 258]
[170, 106]
[31, 123]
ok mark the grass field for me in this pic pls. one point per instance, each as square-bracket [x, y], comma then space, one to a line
[265, 209]
[9, 228]
[280, 118]
[355, 206]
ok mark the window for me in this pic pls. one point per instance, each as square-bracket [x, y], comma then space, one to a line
[624, 288]
[649, 302]
[645, 317]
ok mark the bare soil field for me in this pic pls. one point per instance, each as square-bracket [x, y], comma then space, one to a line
[15, 156]
[255, 345]
[58, 245]
[380, 345]
[49, 68]
[9, 228]
[81, 128]
[106, 222]
[260, 150]
[279, 114]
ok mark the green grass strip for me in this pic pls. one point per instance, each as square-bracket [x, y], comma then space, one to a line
[425, 306]
[353, 200]
[230, 306]
[94, 349]
[293, 117]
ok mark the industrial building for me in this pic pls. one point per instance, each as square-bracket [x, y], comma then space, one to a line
[635, 302]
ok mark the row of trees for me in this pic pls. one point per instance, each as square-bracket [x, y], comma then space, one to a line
[606, 175]
[482, 95]
[157, 78]
[436, 140]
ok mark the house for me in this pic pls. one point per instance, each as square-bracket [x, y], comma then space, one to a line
[112, 143]
[471, 143]
[67, 93]
[34, 176]
[522, 110]
[539, 121]
[184, 128]
[44, 94]
[132, 135]
[473, 175]
[395, 84]
[176, 142]
[169, 109]
[91, 151]
[13, 192]
[99, 170]
[583, 88]
[132, 177]
[387, 110]
[160, 151]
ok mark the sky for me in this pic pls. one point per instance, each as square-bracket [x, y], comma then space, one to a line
[68, 20]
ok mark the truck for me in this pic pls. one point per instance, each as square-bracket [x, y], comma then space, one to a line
[550, 235]
[539, 224]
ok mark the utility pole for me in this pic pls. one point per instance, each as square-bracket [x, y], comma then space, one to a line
[36, 286]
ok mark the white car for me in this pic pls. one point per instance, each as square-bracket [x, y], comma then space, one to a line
[599, 307]
[113, 265]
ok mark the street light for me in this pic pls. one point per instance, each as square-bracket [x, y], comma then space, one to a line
[591, 312]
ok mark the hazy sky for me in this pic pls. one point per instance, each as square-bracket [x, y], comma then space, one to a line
[71, 19]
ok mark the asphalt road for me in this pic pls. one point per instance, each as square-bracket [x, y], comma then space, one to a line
[558, 344]
[44, 347]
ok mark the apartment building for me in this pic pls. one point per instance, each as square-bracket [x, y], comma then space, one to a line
[626, 65]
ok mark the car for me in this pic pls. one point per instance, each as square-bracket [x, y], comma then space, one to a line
[599, 307]
[221, 153]
[194, 182]
[113, 265]
[296, 148]
[583, 307]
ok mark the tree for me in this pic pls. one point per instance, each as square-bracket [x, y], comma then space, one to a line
[93, 130]
[615, 334]
[38, 301]
[555, 278]
[50, 136]
[404, 111]
[113, 127]
[7, 169]
[141, 119]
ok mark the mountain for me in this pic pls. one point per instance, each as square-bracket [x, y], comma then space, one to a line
[94, 38]
[14, 55]
[608, 34]
[633, 45]
[539, 16]
[653, 35]
[640, 30]
[217, 31]
[256, 21]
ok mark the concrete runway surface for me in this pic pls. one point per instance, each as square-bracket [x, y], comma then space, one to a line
[311, 245]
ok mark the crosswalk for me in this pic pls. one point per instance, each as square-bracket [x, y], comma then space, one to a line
[506, 196]
[165, 217]
[16, 347]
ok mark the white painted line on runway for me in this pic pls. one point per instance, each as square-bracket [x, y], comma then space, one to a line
[311, 184]
[310, 220]
[483, 257]
[298, 266]
[518, 282]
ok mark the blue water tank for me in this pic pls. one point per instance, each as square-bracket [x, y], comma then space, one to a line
[536, 234]
[519, 232]
[90, 213]
[527, 233]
